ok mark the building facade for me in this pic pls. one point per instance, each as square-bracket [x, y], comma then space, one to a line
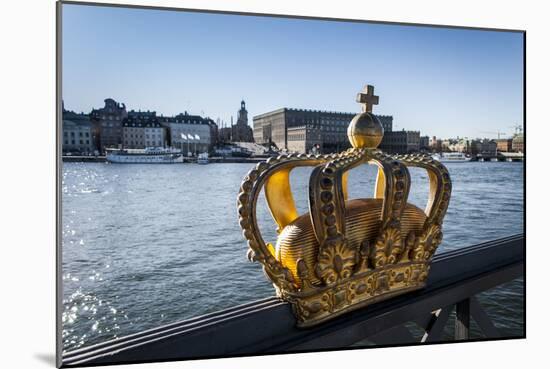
[196, 130]
[504, 144]
[304, 139]
[304, 131]
[270, 128]
[107, 123]
[436, 144]
[141, 130]
[424, 143]
[483, 147]
[518, 143]
[460, 145]
[400, 142]
[242, 132]
[77, 134]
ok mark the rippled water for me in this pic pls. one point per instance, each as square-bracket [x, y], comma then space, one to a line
[145, 245]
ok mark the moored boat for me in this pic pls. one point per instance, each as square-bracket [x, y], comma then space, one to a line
[149, 155]
[451, 157]
[202, 158]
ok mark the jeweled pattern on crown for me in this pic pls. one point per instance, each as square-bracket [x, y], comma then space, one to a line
[345, 253]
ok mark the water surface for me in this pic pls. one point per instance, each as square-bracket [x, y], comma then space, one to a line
[145, 245]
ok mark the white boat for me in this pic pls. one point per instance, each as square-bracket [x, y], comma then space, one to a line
[202, 158]
[451, 157]
[149, 155]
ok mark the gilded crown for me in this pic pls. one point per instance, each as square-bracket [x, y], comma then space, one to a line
[345, 253]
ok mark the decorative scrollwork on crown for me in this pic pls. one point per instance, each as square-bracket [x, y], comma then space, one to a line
[339, 272]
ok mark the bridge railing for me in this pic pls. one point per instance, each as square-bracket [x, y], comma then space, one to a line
[268, 326]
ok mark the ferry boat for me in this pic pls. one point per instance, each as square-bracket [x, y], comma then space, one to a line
[149, 155]
[451, 157]
[202, 158]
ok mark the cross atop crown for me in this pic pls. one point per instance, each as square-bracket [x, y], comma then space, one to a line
[367, 98]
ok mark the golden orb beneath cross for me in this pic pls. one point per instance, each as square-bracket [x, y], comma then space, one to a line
[365, 131]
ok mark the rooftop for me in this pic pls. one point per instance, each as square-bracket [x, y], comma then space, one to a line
[280, 110]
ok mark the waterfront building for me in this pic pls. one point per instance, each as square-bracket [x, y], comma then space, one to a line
[484, 147]
[460, 145]
[436, 144]
[304, 139]
[141, 130]
[198, 132]
[271, 128]
[303, 130]
[239, 132]
[224, 134]
[214, 133]
[424, 143]
[400, 142]
[242, 132]
[517, 143]
[504, 144]
[77, 133]
[107, 123]
[445, 144]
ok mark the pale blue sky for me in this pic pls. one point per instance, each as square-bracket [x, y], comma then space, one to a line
[443, 82]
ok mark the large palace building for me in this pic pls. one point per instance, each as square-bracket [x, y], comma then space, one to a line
[304, 131]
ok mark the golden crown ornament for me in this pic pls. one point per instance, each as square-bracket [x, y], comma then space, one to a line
[345, 253]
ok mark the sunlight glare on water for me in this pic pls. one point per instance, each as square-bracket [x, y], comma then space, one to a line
[146, 245]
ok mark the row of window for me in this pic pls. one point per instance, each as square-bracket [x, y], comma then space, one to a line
[147, 143]
[297, 137]
[322, 121]
[80, 134]
[146, 136]
[110, 117]
[134, 126]
[73, 142]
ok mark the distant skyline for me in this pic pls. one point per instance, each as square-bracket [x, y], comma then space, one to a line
[442, 81]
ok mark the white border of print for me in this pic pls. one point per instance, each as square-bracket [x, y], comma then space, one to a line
[28, 201]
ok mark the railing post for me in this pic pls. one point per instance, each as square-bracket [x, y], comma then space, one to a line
[462, 322]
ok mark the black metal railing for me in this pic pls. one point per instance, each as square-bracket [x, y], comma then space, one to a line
[268, 326]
